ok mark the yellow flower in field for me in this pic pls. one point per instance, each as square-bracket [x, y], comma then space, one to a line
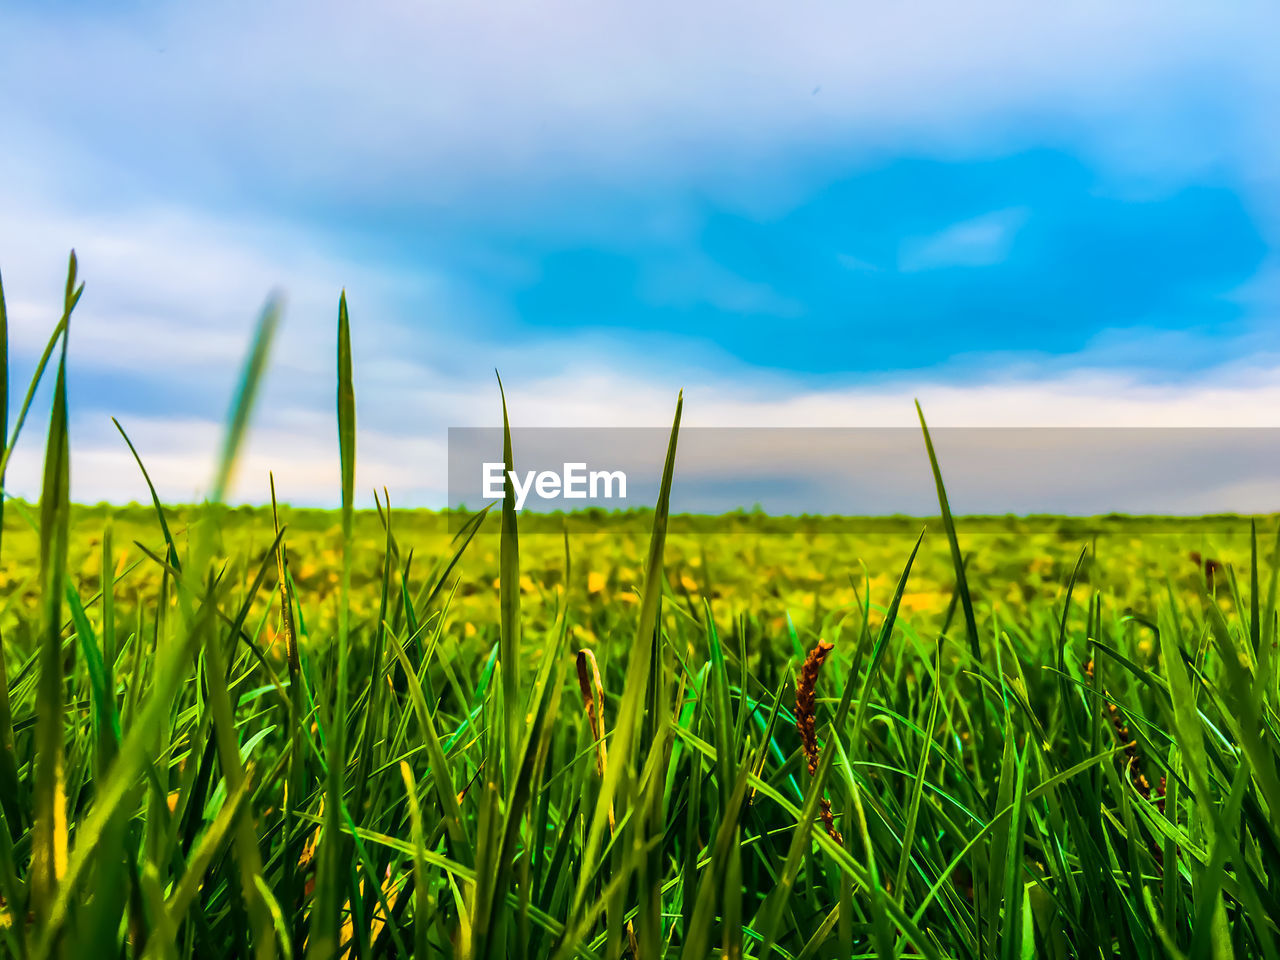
[1041, 565]
[689, 584]
[595, 582]
[1145, 647]
[526, 584]
[469, 629]
[923, 601]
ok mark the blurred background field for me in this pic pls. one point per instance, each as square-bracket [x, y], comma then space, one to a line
[814, 570]
[742, 611]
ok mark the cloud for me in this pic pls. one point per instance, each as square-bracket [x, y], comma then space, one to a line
[877, 270]
[496, 176]
[402, 429]
[978, 242]
[612, 201]
[171, 297]
[430, 103]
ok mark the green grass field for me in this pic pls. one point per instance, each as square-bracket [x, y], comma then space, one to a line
[233, 732]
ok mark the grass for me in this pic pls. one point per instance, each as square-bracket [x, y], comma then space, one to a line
[274, 732]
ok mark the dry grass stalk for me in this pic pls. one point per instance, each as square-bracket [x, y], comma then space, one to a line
[593, 703]
[307, 856]
[806, 723]
[286, 605]
[1133, 765]
[391, 891]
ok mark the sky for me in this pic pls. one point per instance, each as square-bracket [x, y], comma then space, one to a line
[803, 215]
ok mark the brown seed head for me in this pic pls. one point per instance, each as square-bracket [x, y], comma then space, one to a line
[806, 723]
[805, 715]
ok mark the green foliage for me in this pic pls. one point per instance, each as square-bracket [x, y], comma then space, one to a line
[233, 732]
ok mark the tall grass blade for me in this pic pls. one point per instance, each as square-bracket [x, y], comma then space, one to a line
[509, 594]
[247, 392]
[325, 933]
[49, 831]
[635, 690]
[11, 800]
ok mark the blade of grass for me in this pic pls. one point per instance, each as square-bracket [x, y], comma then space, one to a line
[326, 924]
[917, 785]
[509, 593]
[49, 831]
[245, 395]
[635, 691]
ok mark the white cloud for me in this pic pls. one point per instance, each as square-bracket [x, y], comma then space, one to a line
[170, 380]
[180, 456]
[172, 286]
[402, 431]
[421, 101]
[977, 242]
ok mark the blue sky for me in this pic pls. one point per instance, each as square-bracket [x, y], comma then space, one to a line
[804, 215]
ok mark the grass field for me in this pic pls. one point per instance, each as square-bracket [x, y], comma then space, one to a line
[235, 732]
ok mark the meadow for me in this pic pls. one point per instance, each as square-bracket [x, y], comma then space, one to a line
[274, 732]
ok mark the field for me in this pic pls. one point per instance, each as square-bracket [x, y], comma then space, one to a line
[247, 732]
